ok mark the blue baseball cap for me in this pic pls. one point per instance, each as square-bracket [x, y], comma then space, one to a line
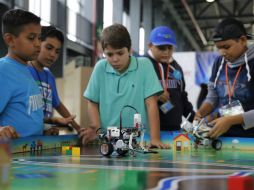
[162, 35]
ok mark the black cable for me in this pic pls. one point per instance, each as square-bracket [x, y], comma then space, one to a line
[126, 106]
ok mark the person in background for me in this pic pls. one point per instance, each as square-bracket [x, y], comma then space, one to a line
[173, 102]
[231, 86]
[21, 104]
[202, 94]
[120, 80]
[52, 41]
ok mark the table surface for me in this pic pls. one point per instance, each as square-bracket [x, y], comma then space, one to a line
[202, 168]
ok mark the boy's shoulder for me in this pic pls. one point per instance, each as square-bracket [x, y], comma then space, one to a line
[143, 61]
[47, 70]
[3, 59]
[101, 65]
[217, 62]
[4, 63]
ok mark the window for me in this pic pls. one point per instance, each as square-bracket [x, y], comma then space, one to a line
[107, 13]
[73, 10]
[42, 9]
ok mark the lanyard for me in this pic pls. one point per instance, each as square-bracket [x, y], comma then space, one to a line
[163, 78]
[230, 92]
[44, 96]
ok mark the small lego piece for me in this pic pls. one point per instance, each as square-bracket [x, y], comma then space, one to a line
[68, 152]
[75, 151]
[64, 148]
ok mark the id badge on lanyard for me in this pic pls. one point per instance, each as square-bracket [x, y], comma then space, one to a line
[233, 108]
[168, 105]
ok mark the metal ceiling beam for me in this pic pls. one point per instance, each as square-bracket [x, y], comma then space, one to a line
[246, 4]
[195, 23]
[222, 7]
[202, 11]
[182, 25]
[246, 16]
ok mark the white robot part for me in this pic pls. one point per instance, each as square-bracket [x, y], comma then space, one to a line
[120, 144]
[200, 130]
[137, 120]
[113, 132]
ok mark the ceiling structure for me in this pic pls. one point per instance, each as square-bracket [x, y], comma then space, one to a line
[196, 19]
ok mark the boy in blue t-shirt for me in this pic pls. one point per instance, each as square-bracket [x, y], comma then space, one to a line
[120, 80]
[52, 40]
[20, 99]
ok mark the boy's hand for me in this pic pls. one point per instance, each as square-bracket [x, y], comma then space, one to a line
[220, 126]
[158, 144]
[52, 131]
[8, 132]
[64, 120]
[164, 97]
[87, 134]
[197, 116]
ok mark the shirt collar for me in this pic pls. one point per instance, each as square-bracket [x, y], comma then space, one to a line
[133, 65]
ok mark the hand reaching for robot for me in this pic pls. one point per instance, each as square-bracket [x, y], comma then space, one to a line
[220, 126]
[197, 116]
[87, 134]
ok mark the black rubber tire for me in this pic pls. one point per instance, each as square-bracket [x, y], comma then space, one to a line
[217, 144]
[106, 149]
[121, 152]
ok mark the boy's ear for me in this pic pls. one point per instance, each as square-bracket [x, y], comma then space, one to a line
[243, 40]
[150, 45]
[9, 39]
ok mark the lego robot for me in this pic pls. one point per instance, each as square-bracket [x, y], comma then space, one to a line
[200, 129]
[123, 140]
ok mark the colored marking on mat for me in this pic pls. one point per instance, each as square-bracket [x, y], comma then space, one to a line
[33, 176]
[88, 172]
[240, 183]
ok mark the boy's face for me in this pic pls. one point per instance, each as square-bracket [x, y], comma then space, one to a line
[163, 53]
[119, 59]
[232, 49]
[50, 51]
[26, 46]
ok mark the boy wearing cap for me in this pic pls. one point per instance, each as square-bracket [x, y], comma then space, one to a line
[173, 103]
[231, 86]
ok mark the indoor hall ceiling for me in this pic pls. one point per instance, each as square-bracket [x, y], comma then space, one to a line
[198, 18]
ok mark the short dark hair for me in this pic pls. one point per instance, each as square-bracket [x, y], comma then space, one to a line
[14, 20]
[229, 28]
[117, 36]
[51, 31]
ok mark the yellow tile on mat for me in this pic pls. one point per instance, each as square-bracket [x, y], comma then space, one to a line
[76, 151]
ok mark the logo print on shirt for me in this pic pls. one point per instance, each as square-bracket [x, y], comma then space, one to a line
[35, 103]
